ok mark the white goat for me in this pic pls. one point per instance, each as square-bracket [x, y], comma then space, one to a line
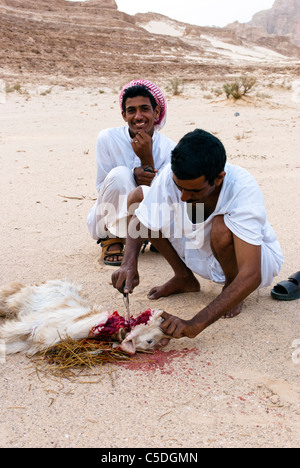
[41, 316]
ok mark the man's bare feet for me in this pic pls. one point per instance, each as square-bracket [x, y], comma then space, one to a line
[234, 312]
[176, 285]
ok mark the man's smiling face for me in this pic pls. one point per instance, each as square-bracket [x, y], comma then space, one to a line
[140, 115]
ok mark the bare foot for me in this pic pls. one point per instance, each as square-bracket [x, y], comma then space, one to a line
[176, 285]
[234, 312]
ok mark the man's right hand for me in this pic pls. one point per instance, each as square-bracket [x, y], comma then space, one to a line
[125, 279]
[143, 177]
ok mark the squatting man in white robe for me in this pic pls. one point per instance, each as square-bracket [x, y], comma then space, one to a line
[228, 241]
[128, 157]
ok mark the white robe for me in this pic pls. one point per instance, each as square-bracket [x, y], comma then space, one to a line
[116, 161]
[241, 202]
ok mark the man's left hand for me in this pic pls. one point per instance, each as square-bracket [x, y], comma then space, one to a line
[143, 177]
[176, 327]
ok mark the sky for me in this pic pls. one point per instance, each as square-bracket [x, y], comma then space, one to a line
[200, 12]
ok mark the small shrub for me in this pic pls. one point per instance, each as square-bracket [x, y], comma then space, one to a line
[240, 137]
[46, 91]
[232, 89]
[176, 86]
[10, 89]
[247, 82]
[217, 91]
[240, 87]
[15, 88]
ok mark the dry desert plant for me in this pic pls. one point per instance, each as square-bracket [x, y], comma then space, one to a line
[240, 87]
[15, 88]
[175, 86]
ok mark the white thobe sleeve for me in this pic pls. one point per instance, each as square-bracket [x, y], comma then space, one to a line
[103, 158]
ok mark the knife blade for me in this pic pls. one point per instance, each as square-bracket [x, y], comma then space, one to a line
[126, 303]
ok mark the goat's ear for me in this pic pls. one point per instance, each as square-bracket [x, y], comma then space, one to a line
[128, 345]
[164, 341]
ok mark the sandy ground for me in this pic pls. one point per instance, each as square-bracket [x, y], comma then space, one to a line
[235, 385]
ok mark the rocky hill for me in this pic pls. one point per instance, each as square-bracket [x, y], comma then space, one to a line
[283, 19]
[86, 42]
[277, 28]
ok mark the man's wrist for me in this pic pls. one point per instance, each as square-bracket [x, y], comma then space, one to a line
[196, 326]
[147, 160]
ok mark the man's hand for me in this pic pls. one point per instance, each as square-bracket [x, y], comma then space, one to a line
[125, 279]
[178, 328]
[143, 177]
[142, 145]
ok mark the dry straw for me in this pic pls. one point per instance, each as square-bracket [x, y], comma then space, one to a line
[62, 359]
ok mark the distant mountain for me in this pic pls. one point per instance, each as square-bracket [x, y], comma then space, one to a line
[283, 19]
[84, 42]
[280, 23]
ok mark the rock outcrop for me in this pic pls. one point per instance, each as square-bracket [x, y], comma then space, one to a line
[277, 28]
[283, 19]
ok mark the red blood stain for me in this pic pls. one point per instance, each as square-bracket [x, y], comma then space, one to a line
[159, 359]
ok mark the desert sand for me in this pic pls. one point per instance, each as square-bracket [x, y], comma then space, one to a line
[235, 385]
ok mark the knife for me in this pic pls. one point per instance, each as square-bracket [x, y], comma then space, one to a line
[126, 303]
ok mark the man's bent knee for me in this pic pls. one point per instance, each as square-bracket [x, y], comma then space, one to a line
[221, 236]
[119, 176]
[135, 196]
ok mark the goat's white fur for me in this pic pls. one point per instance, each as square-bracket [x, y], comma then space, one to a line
[45, 315]
[41, 316]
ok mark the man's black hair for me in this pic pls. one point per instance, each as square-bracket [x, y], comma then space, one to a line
[138, 90]
[198, 153]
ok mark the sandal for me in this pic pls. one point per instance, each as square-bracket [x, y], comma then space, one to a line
[105, 244]
[287, 290]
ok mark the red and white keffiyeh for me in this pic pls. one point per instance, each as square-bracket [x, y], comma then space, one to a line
[158, 96]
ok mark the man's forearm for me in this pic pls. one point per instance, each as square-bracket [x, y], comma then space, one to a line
[230, 298]
[127, 277]
[137, 234]
[133, 247]
[147, 160]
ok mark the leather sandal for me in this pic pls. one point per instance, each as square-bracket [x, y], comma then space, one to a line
[105, 244]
